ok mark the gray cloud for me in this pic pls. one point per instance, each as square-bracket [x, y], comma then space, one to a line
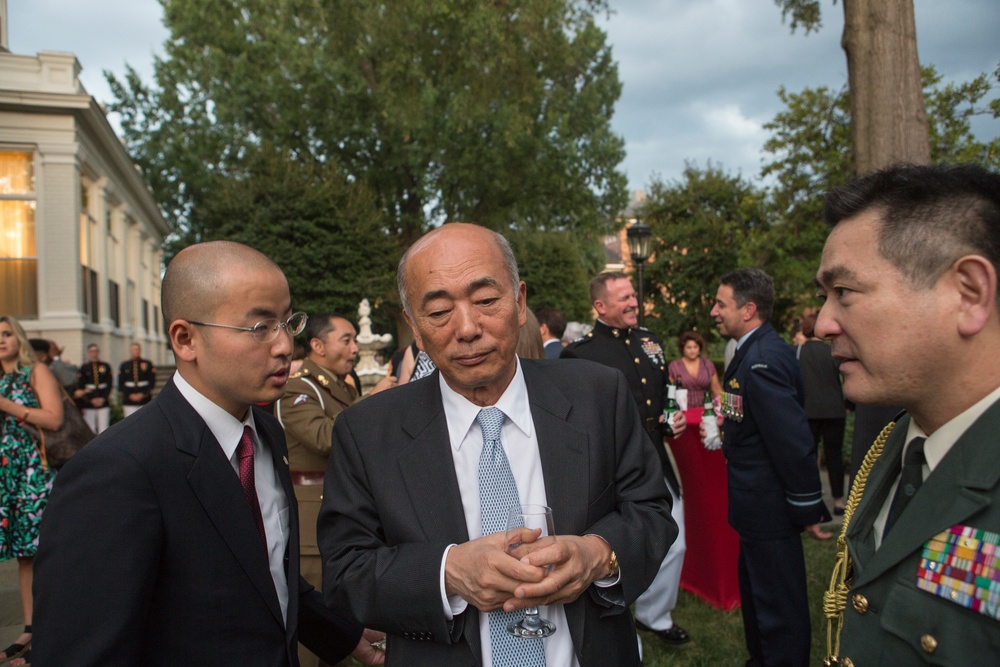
[699, 76]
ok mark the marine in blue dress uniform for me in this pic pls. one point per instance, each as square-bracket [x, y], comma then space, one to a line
[136, 380]
[616, 341]
[774, 485]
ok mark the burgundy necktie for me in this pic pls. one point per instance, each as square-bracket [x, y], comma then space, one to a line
[245, 454]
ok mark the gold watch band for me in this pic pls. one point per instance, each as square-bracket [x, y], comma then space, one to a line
[613, 565]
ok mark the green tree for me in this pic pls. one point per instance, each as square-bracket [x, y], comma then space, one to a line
[557, 270]
[709, 222]
[883, 72]
[325, 233]
[810, 153]
[495, 113]
[703, 224]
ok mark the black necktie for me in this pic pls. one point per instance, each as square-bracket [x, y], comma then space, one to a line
[909, 482]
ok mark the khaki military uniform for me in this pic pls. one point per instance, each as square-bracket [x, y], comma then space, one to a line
[312, 400]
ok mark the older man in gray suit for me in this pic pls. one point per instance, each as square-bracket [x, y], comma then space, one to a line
[402, 531]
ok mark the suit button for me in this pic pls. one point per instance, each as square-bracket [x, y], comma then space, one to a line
[846, 662]
[644, 380]
[637, 360]
[860, 603]
[928, 643]
[649, 402]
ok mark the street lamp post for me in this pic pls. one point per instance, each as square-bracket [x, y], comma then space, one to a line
[639, 240]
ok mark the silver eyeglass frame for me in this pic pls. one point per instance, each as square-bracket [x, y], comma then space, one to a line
[268, 327]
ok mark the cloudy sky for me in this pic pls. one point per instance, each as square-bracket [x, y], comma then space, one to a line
[699, 76]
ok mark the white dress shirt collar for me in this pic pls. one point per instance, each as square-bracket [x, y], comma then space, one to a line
[744, 337]
[227, 429]
[461, 412]
[941, 441]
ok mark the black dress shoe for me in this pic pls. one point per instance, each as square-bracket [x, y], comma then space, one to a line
[676, 635]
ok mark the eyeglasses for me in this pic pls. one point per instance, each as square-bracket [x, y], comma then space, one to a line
[267, 330]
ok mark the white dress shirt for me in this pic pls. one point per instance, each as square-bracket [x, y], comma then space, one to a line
[936, 447]
[228, 431]
[520, 443]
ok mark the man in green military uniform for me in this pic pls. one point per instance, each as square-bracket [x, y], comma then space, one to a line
[909, 280]
[312, 399]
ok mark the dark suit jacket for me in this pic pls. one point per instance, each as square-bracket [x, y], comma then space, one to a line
[888, 617]
[774, 486]
[821, 379]
[392, 505]
[553, 349]
[148, 555]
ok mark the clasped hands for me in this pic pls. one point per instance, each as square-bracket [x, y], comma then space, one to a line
[487, 577]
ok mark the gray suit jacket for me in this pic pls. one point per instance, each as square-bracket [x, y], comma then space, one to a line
[889, 620]
[392, 505]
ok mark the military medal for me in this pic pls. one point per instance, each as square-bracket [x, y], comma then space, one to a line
[962, 564]
[732, 406]
[653, 351]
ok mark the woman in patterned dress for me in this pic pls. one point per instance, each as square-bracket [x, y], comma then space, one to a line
[28, 393]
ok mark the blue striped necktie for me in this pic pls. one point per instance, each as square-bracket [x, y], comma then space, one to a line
[497, 495]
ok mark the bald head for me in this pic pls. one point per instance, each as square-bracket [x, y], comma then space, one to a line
[448, 234]
[196, 279]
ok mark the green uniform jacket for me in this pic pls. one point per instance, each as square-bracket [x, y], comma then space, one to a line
[890, 620]
[312, 400]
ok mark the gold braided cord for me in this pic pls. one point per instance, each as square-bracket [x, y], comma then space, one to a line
[835, 598]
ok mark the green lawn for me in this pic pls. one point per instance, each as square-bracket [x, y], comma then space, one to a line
[717, 636]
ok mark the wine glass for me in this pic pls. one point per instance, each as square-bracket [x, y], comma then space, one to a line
[534, 517]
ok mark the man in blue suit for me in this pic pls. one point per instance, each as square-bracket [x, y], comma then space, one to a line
[172, 538]
[774, 485]
[552, 325]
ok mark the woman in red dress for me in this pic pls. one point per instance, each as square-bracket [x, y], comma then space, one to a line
[713, 547]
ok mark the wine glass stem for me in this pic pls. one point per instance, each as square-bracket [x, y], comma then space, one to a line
[531, 620]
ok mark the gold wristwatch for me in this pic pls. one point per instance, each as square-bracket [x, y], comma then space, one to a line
[613, 565]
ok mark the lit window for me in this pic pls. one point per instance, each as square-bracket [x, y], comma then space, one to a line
[18, 258]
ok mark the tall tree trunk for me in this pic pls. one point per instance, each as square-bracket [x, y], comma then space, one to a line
[888, 115]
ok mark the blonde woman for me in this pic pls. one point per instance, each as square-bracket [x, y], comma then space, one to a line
[29, 393]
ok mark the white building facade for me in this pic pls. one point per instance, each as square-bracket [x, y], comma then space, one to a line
[80, 233]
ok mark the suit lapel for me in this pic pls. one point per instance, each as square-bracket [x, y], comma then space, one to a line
[217, 487]
[341, 394]
[427, 470]
[955, 491]
[563, 450]
[275, 443]
[861, 532]
[428, 474]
